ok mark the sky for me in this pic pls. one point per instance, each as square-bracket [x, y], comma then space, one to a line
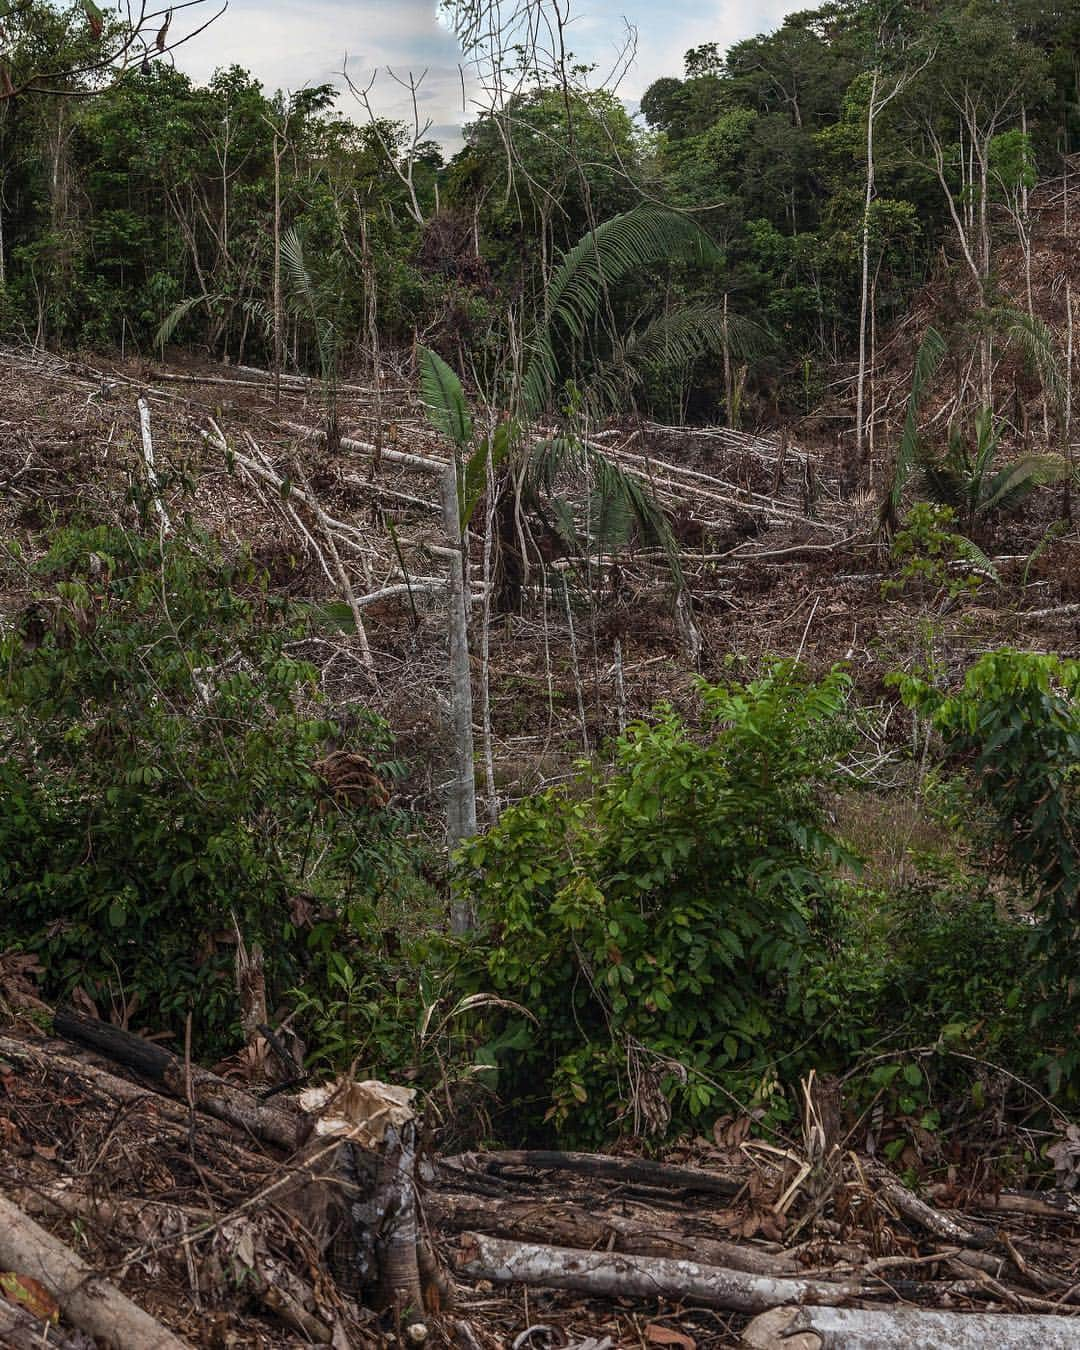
[288, 44]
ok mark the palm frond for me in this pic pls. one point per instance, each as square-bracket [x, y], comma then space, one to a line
[1010, 485]
[620, 503]
[689, 331]
[262, 314]
[300, 284]
[492, 450]
[647, 234]
[178, 313]
[314, 298]
[941, 482]
[444, 399]
[928, 361]
[1036, 341]
[972, 553]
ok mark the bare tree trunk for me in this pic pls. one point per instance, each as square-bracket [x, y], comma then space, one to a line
[1066, 505]
[485, 648]
[279, 150]
[729, 387]
[461, 795]
[617, 1275]
[148, 461]
[860, 388]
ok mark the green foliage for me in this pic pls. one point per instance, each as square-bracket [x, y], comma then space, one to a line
[157, 782]
[932, 555]
[1016, 724]
[660, 925]
[444, 399]
[928, 359]
[964, 477]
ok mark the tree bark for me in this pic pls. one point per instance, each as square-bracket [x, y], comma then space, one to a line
[860, 390]
[822, 1328]
[611, 1275]
[87, 1300]
[208, 1092]
[566, 1225]
[626, 1170]
[461, 795]
[20, 1331]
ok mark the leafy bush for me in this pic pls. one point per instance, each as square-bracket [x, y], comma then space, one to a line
[659, 925]
[933, 556]
[157, 781]
[1016, 724]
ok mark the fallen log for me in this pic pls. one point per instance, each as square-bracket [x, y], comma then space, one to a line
[627, 1170]
[86, 1300]
[616, 1275]
[821, 1328]
[934, 1221]
[1041, 1204]
[208, 1092]
[21, 1331]
[565, 1225]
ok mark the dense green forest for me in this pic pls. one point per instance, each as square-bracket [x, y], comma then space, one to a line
[834, 235]
[159, 191]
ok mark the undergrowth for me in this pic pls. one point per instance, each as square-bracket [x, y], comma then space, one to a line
[683, 932]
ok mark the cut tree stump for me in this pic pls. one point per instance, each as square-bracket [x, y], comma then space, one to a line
[907, 1329]
[86, 1300]
[613, 1275]
[272, 1124]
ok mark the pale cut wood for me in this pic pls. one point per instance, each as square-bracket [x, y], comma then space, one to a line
[86, 1300]
[614, 1275]
[907, 1329]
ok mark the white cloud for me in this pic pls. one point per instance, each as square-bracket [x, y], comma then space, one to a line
[287, 45]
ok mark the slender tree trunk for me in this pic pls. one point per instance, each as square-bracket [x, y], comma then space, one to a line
[1066, 505]
[461, 795]
[729, 388]
[860, 389]
[279, 150]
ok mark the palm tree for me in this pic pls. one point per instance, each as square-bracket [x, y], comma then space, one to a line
[314, 294]
[528, 472]
[963, 477]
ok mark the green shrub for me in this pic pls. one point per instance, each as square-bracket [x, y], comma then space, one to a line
[660, 926]
[157, 781]
[1016, 726]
